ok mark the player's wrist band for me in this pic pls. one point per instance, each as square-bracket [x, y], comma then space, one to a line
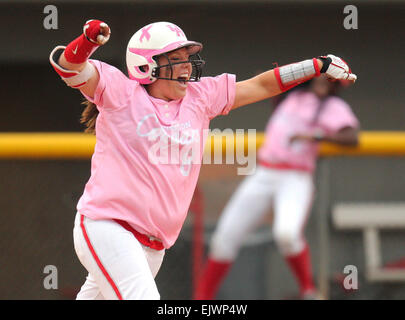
[80, 49]
[291, 75]
[72, 78]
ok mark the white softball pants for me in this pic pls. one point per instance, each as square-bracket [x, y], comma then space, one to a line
[288, 192]
[119, 266]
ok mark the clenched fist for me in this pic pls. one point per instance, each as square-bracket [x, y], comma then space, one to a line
[337, 68]
[97, 32]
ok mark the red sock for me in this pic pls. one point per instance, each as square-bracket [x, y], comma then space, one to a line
[211, 278]
[300, 265]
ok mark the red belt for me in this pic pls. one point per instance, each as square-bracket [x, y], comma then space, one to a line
[283, 166]
[142, 238]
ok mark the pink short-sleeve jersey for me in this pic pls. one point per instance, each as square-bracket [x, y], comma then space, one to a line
[302, 113]
[148, 151]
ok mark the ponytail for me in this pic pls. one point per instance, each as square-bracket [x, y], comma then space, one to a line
[89, 116]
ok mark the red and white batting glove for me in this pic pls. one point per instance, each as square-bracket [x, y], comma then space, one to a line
[95, 34]
[336, 68]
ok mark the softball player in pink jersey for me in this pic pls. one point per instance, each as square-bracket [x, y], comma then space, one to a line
[135, 202]
[283, 181]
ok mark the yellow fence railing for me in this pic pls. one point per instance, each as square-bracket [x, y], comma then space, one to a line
[71, 145]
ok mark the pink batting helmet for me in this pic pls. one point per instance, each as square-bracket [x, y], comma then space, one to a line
[153, 40]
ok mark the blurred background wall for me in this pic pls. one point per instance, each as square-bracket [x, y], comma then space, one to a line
[38, 198]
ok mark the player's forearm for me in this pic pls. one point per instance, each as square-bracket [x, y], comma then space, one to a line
[276, 84]
[73, 65]
[347, 136]
[273, 82]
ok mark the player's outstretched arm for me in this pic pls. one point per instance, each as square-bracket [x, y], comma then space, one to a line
[72, 65]
[280, 79]
[346, 136]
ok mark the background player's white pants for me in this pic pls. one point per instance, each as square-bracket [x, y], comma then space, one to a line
[119, 266]
[290, 193]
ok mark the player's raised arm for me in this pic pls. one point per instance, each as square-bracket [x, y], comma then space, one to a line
[72, 64]
[280, 79]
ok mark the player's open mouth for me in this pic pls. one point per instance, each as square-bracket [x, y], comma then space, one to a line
[182, 79]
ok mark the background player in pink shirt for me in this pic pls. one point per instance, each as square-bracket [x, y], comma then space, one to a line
[283, 181]
[150, 137]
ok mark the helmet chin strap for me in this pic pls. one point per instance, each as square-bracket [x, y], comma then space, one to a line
[196, 66]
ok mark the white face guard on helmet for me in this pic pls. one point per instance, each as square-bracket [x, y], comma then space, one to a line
[157, 39]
